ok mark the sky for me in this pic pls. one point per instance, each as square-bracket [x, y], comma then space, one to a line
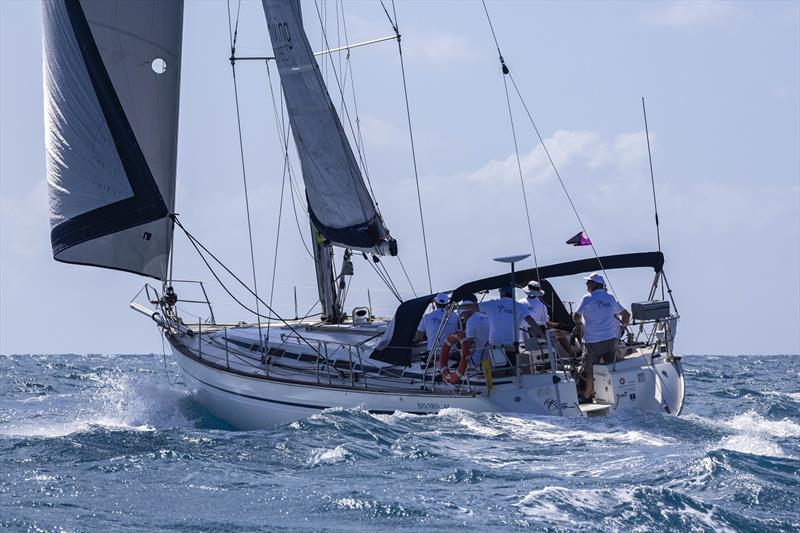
[722, 85]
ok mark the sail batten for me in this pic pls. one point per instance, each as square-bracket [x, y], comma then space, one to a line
[111, 75]
[339, 203]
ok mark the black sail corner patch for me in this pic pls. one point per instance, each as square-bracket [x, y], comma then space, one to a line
[146, 204]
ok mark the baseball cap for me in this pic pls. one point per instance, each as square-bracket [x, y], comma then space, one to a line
[441, 298]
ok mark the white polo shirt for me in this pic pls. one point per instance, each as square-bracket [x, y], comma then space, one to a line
[477, 329]
[598, 309]
[430, 323]
[536, 310]
[502, 329]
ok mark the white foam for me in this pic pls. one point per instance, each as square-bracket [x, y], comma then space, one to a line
[791, 395]
[752, 422]
[754, 434]
[121, 403]
[752, 444]
[571, 430]
[543, 503]
[352, 503]
[330, 456]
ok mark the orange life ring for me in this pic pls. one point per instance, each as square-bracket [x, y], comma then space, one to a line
[444, 356]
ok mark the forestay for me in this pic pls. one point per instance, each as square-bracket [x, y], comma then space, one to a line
[339, 203]
[111, 83]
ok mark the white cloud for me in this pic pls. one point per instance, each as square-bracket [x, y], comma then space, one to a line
[689, 13]
[439, 48]
[624, 151]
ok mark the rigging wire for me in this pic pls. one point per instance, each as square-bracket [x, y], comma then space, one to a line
[387, 281]
[519, 169]
[233, 36]
[547, 153]
[393, 22]
[198, 246]
[359, 139]
[652, 183]
[345, 109]
[406, 275]
[277, 242]
[505, 72]
[280, 125]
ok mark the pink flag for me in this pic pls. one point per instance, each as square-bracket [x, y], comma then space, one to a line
[581, 239]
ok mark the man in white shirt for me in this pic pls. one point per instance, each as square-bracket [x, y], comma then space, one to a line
[476, 329]
[429, 325]
[600, 320]
[503, 330]
[537, 311]
[535, 308]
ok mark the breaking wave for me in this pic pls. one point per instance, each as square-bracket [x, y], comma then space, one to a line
[79, 435]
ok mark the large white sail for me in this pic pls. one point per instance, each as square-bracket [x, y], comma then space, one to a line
[338, 200]
[111, 84]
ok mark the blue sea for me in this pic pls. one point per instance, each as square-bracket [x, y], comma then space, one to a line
[114, 443]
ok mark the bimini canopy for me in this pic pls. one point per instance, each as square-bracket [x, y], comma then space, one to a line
[396, 347]
[338, 200]
[111, 81]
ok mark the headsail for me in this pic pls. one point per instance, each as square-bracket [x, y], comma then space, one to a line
[111, 83]
[338, 200]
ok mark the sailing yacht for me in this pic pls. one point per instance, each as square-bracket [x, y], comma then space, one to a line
[112, 77]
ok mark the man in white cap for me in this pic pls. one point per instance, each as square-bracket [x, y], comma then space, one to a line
[429, 325]
[535, 308]
[537, 311]
[600, 320]
[476, 329]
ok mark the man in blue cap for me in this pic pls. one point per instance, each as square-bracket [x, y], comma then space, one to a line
[600, 320]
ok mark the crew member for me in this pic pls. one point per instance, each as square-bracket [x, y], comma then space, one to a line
[503, 329]
[537, 310]
[476, 329]
[600, 320]
[430, 323]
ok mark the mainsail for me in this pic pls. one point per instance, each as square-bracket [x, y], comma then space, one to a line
[339, 203]
[111, 83]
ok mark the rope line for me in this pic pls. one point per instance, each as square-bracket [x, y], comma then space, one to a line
[235, 33]
[519, 169]
[280, 125]
[505, 72]
[411, 139]
[408, 279]
[198, 246]
[277, 242]
[652, 183]
[544, 147]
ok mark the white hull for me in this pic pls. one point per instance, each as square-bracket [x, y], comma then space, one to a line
[250, 399]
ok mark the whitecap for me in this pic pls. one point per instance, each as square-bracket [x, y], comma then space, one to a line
[121, 403]
[329, 456]
[752, 422]
[751, 444]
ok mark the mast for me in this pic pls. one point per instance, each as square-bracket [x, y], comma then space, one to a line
[341, 209]
[326, 282]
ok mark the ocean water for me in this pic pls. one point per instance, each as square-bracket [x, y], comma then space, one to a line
[113, 443]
